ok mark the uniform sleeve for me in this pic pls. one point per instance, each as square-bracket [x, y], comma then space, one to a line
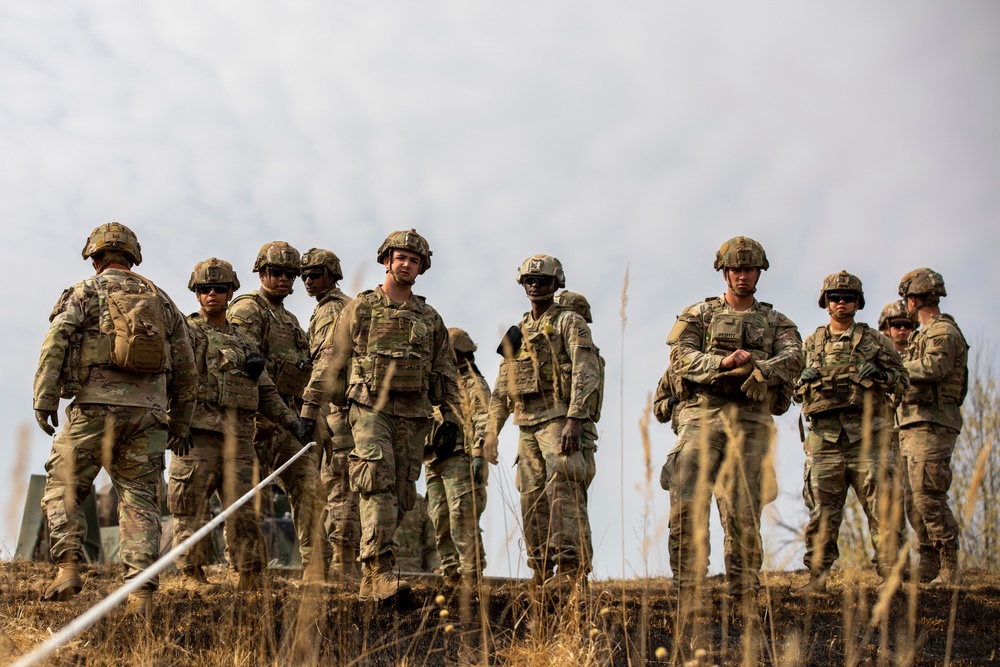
[246, 316]
[499, 407]
[183, 376]
[586, 366]
[940, 354]
[330, 364]
[889, 361]
[270, 404]
[787, 356]
[475, 411]
[443, 364]
[685, 341]
[66, 319]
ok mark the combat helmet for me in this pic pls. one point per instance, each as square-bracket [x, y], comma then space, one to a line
[114, 237]
[922, 281]
[324, 258]
[277, 253]
[213, 270]
[577, 302]
[407, 240]
[894, 311]
[842, 282]
[542, 265]
[741, 252]
[461, 341]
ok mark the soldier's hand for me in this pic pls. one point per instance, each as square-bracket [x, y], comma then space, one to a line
[735, 360]
[809, 374]
[866, 370]
[303, 430]
[446, 439]
[478, 470]
[43, 417]
[255, 365]
[672, 403]
[756, 386]
[491, 448]
[178, 445]
[569, 441]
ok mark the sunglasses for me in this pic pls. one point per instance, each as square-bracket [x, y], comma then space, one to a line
[312, 275]
[208, 288]
[541, 281]
[846, 297]
[901, 324]
[275, 272]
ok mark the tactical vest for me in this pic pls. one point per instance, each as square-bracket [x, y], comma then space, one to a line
[132, 331]
[322, 318]
[227, 384]
[398, 352]
[839, 386]
[953, 387]
[286, 348]
[542, 365]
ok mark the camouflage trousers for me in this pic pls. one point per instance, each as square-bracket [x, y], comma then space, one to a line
[193, 480]
[136, 438]
[341, 515]
[384, 468]
[734, 476]
[553, 492]
[453, 503]
[927, 450]
[588, 445]
[300, 482]
[832, 468]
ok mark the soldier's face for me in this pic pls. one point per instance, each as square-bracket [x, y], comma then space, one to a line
[213, 298]
[539, 288]
[839, 307]
[404, 264]
[899, 331]
[317, 281]
[279, 281]
[742, 281]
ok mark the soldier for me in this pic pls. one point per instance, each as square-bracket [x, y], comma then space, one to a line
[233, 385]
[276, 332]
[456, 480]
[667, 398]
[389, 360]
[341, 519]
[896, 325]
[849, 370]
[737, 358]
[417, 551]
[118, 347]
[550, 381]
[930, 419]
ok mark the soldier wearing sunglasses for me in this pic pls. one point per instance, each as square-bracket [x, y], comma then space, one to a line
[232, 387]
[896, 325]
[850, 371]
[276, 331]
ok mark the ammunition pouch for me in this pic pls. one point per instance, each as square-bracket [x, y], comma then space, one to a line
[779, 398]
[839, 391]
[383, 372]
[290, 378]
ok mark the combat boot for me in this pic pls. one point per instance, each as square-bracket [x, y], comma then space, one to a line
[251, 580]
[949, 574]
[66, 584]
[930, 564]
[193, 579]
[816, 584]
[140, 603]
[380, 582]
[344, 564]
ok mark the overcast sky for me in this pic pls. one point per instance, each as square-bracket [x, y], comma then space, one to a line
[859, 136]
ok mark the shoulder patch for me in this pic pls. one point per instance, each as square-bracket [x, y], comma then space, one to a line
[677, 331]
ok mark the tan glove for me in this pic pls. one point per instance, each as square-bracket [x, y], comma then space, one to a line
[756, 386]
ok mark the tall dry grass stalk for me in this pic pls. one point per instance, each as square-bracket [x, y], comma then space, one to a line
[19, 473]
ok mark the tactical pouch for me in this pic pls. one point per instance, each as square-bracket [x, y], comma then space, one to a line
[408, 373]
[289, 379]
[726, 332]
[137, 333]
[70, 375]
[780, 398]
[920, 393]
[526, 380]
[436, 391]
[237, 391]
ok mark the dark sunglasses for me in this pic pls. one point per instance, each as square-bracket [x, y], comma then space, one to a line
[541, 281]
[846, 297]
[275, 272]
[208, 288]
[313, 275]
[901, 324]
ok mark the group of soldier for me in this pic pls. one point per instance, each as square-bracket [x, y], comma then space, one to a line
[385, 390]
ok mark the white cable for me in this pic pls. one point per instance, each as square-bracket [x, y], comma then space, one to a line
[92, 615]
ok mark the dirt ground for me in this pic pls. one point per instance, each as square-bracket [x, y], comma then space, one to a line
[619, 623]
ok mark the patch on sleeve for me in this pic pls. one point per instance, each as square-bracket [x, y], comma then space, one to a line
[677, 331]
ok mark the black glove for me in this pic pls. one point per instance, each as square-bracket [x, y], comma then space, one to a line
[478, 470]
[445, 439]
[255, 365]
[866, 370]
[303, 430]
[43, 417]
[511, 343]
[672, 403]
[178, 445]
[809, 374]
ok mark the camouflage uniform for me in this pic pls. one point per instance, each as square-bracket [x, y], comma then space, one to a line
[554, 376]
[136, 409]
[417, 552]
[713, 400]
[277, 334]
[667, 398]
[227, 401]
[836, 457]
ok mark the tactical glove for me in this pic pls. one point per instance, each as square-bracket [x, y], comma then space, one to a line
[446, 439]
[43, 417]
[178, 445]
[809, 374]
[672, 403]
[511, 343]
[303, 429]
[255, 365]
[756, 386]
[866, 370]
[478, 470]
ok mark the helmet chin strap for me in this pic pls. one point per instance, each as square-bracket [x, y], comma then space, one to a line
[271, 292]
[399, 279]
[738, 291]
[538, 298]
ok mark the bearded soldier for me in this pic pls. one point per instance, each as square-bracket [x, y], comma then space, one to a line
[388, 359]
[342, 522]
[118, 347]
[849, 371]
[456, 479]
[930, 419]
[276, 332]
[737, 358]
[550, 382]
[233, 385]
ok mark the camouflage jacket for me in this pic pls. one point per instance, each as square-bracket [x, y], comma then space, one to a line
[392, 355]
[710, 330]
[937, 358]
[555, 373]
[475, 399]
[839, 396]
[279, 337]
[669, 385]
[323, 316]
[220, 354]
[71, 366]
